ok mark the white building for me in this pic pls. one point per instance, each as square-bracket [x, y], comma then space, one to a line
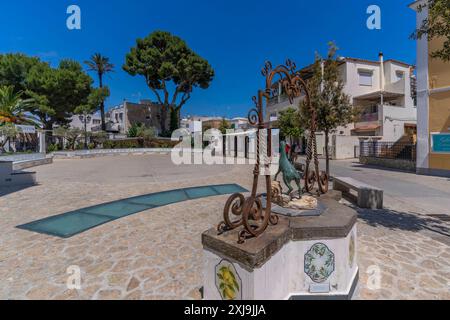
[382, 90]
[93, 125]
[239, 123]
[195, 123]
[115, 119]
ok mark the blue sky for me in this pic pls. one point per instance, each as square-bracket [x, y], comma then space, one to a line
[235, 36]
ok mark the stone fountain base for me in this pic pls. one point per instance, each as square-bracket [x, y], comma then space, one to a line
[303, 257]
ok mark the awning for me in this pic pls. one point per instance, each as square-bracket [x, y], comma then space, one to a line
[374, 96]
[367, 128]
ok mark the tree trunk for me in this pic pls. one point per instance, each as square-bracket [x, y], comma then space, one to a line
[327, 154]
[163, 120]
[102, 106]
[3, 144]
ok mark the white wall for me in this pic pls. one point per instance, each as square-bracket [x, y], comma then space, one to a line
[423, 142]
[344, 147]
[77, 123]
[352, 86]
[394, 129]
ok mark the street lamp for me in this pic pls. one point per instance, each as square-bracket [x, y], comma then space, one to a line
[85, 119]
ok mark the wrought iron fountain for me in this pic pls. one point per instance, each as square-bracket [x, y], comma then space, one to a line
[249, 212]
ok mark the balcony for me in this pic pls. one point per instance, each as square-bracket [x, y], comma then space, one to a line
[277, 100]
[368, 117]
[398, 87]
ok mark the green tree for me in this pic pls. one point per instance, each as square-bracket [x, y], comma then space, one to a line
[8, 131]
[93, 102]
[97, 138]
[224, 126]
[139, 130]
[13, 108]
[146, 133]
[58, 91]
[14, 70]
[101, 65]
[72, 135]
[289, 124]
[332, 105]
[166, 62]
[436, 26]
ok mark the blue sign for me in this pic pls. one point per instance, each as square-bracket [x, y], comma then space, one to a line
[440, 142]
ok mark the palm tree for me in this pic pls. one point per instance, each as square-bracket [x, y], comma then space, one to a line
[13, 109]
[102, 66]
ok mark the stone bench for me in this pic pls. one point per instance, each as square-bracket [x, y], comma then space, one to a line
[369, 197]
[12, 178]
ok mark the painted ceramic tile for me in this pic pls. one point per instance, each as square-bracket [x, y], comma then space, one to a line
[228, 281]
[319, 263]
[352, 247]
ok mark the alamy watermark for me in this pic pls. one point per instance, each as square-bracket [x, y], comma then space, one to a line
[234, 147]
[73, 21]
[74, 278]
[374, 277]
[374, 20]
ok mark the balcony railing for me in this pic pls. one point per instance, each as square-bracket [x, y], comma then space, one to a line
[368, 117]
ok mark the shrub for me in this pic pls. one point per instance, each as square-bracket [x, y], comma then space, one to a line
[108, 144]
[123, 144]
[52, 148]
[97, 138]
[133, 131]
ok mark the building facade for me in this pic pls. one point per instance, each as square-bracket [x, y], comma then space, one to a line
[93, 125]
[121, 118]
[199, 123]
[383, 91]
[433, 99]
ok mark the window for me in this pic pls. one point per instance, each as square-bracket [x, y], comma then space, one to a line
[96, 121]
[365, 77]
[400, 75]
[273, 116]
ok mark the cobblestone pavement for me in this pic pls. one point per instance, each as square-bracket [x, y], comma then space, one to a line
[157, 254]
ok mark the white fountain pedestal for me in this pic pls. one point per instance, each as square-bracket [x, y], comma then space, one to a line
[310, 257]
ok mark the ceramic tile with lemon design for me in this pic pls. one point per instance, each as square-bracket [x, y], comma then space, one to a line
[228, 281]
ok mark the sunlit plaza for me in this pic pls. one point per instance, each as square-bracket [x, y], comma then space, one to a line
[224, 154]
[157, 254]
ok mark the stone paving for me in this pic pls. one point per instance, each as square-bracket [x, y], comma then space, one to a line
[157, 254]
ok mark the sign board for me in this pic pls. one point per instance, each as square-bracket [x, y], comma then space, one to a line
[440, 142]
[26, 129]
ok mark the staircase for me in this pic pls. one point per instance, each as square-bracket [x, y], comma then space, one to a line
[401, 149]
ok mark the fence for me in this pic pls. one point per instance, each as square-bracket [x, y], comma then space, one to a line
[388, 150]
[395, 155]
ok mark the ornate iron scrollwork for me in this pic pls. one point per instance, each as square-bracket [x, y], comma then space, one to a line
[248, 212]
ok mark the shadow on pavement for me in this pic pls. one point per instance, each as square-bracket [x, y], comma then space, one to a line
[396, 220]
[4, 191]
[367, 166]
